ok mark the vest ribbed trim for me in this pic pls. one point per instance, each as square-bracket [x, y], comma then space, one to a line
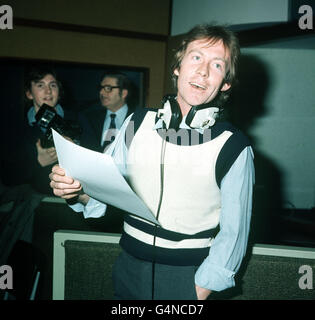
[178, 257]
[168, 234]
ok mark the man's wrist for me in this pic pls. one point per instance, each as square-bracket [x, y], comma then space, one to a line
[202, 293]
[81, 198]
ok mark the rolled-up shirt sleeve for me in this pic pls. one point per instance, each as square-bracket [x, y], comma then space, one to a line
[229, 246]
[93, 209]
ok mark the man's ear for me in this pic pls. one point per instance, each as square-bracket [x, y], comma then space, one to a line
[29, 95]
[124, 93]
[226, 86]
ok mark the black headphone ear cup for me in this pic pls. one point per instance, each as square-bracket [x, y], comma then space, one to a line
[176, 117]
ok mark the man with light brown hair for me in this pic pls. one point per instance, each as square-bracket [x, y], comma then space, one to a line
[199, 190]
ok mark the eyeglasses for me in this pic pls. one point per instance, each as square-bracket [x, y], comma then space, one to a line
[107, 88]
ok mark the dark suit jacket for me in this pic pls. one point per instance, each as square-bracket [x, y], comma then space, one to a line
[91, 121]
[20, 164]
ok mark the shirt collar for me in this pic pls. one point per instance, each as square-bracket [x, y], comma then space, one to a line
[121, 112]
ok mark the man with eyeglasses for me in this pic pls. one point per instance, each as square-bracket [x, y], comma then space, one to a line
[101, 124]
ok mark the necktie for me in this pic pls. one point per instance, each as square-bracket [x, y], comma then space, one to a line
[110, 134]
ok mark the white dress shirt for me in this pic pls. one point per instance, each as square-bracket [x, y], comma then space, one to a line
[119, 120]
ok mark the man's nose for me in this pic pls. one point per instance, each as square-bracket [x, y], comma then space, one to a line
[203, 70]
[48, 89]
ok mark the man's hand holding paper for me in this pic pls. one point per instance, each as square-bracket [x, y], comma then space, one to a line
[97, 175]
[66, 187]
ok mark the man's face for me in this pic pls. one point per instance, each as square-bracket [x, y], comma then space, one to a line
[201, 74]
[112, 100]
[43, 91]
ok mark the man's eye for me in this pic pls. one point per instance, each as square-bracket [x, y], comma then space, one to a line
[218, 66]
[196, 58]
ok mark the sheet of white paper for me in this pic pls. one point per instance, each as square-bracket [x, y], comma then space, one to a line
[99, 177]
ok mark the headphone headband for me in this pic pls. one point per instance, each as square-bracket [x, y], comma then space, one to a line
[199, 117]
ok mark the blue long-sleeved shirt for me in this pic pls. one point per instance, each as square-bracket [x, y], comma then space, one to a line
[229, 246]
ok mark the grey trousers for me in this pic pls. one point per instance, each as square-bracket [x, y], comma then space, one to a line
[133, 280]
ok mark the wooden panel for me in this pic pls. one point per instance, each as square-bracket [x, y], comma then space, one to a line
[148, 16]
[56, 45]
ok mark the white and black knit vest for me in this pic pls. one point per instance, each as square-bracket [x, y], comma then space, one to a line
[183, 193]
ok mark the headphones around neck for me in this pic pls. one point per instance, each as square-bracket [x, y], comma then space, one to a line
[199, 117]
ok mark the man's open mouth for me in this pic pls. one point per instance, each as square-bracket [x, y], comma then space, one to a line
[197, 86]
